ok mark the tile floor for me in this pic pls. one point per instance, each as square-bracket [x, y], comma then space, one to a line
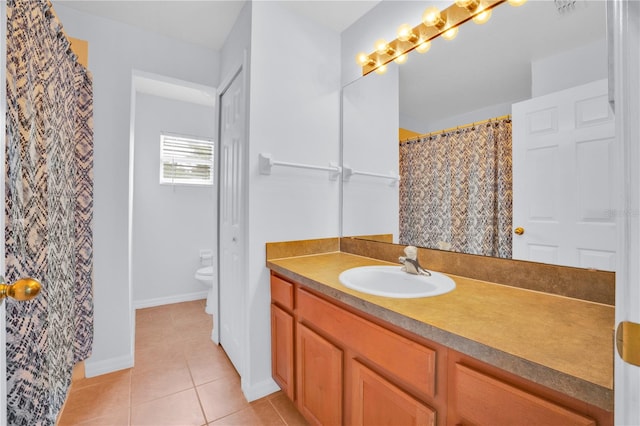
[180, 378]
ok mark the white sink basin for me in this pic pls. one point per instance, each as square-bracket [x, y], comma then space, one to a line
[391, 281]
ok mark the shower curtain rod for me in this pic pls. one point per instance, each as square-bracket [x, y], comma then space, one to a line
[464, 126]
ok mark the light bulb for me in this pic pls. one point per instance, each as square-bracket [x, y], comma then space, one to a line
[516, 3]
[363, 59]
[450, 34]
[401, 59]
[383, 48]
[423, 47]
[470, 5]
[433, 18]
[482, 17]
[381, 69]
[405, 33]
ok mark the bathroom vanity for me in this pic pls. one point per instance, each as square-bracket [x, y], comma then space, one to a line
[483, 354]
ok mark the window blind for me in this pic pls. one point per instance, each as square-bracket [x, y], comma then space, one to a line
[186, 161]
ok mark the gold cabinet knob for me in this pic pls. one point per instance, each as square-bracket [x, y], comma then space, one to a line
[23, 289]
[518, 231]
[628, 342]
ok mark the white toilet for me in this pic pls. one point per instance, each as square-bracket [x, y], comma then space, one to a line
[204, 276]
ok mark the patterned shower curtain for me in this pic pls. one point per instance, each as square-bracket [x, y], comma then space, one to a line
[456, 190]
[48, 207]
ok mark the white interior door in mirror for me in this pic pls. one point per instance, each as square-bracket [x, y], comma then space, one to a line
[563, 159]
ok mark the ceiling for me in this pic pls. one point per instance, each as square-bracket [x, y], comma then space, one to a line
[208, 22]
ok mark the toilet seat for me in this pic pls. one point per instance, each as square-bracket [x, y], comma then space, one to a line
[205, 274]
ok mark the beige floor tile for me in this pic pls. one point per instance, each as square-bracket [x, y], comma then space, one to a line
[156, 384]
[147, 338]
[198, 347]
[153, 317]
[118, 376]
[180, 310]
[118, 417]
[99, 400]
[174, 351]
[221, 398]
[179, 409]
[157, 359]
[194, 320]
[208, 367]
[180, 332]
[258, 413]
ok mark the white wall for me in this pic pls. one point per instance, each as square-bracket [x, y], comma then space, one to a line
[237, 43]
[551, 74]
[570, 69]
[370, 112]
[114, 51]
[465, 118]
[171, 223]
[294, 110]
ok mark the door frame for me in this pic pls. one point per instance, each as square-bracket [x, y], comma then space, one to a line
[625, 59]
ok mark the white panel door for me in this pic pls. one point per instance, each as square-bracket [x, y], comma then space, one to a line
[231, 241]
[563, 171]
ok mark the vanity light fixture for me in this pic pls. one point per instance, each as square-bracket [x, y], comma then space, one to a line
[401, 59]
[383, 48]
[405, 33]
[450, 33]
[423, 47]
[481, 14]
[434, 23]
[482, 17]
[364, 60]
[381, 69]
[432, 17]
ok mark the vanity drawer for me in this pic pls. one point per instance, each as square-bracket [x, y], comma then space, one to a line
[282, 292]
[404, 359]
[481, 399]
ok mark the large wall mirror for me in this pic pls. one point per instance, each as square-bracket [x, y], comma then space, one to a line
[521, 53]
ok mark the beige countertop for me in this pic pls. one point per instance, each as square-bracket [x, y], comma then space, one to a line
[562, 343]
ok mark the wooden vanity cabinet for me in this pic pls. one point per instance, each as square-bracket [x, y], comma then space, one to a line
[319, 374]
[282, 335]
[348, 367]
[352, 370]
[481, 394]
[377, 401]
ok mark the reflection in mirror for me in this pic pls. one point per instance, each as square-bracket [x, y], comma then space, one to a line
[521, 54]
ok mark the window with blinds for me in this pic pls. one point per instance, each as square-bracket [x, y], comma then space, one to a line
[185, 160]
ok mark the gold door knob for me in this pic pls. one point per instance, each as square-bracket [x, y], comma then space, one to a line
[23, 289]
[518, 231]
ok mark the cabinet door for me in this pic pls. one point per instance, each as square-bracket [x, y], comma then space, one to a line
[319, 378]
[282, 368]
[376, 401]
[480, 399]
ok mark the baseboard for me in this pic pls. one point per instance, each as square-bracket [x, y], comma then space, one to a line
[260, 390]
[98, 368]
[167, 300]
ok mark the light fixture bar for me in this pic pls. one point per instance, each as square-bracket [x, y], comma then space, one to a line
[454, 15]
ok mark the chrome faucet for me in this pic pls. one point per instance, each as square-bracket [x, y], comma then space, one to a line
[410, 262]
